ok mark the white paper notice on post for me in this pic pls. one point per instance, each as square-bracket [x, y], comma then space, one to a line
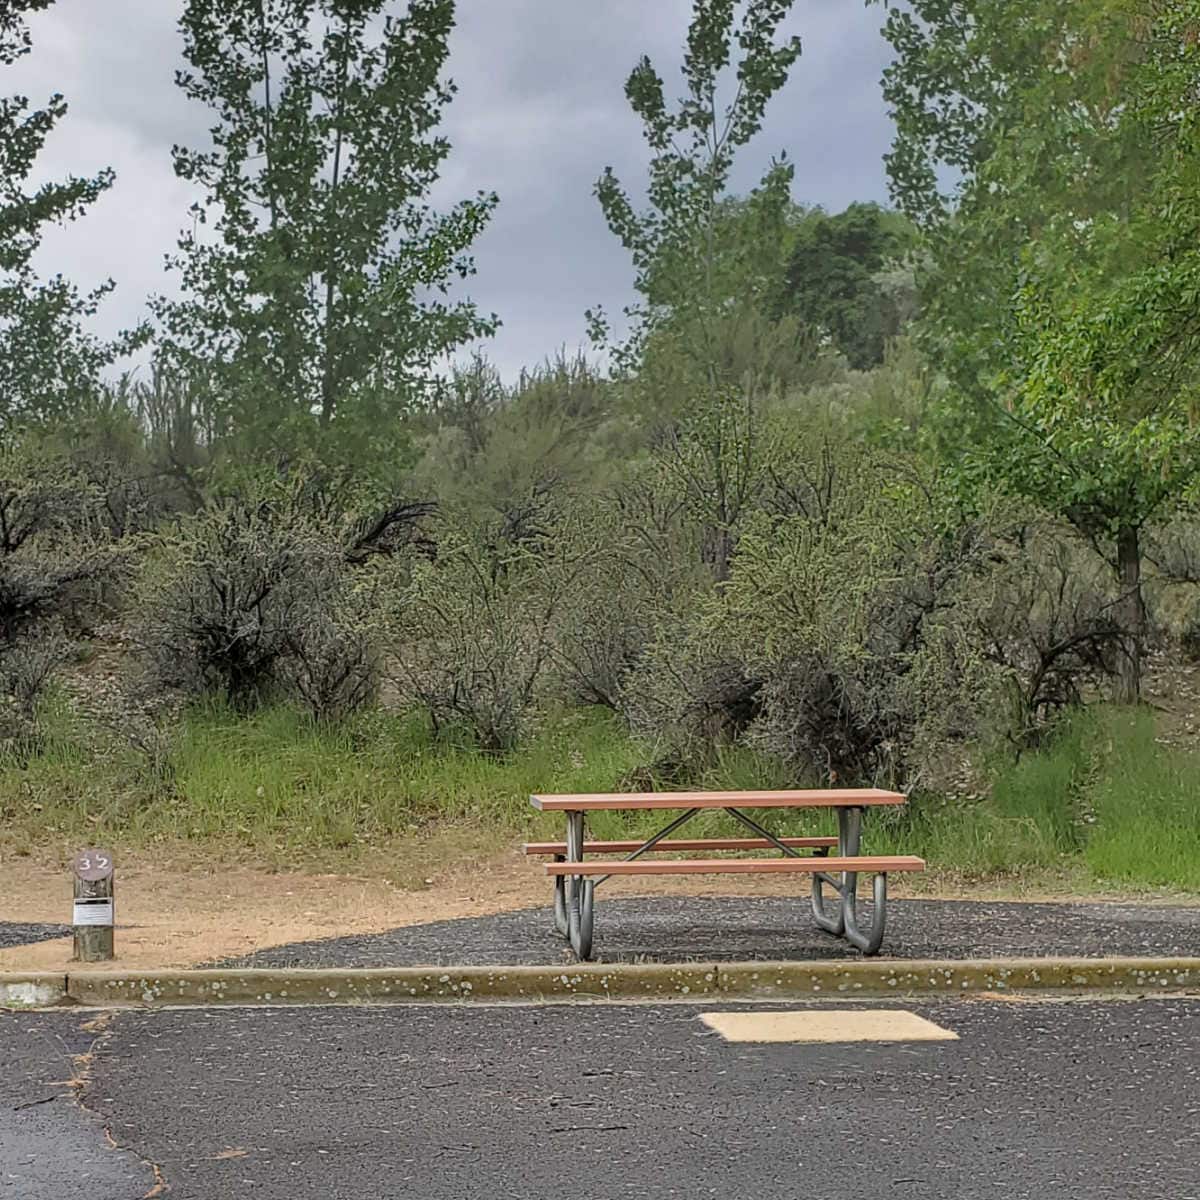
[93, 912]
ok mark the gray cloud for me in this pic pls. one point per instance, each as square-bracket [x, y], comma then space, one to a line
[539, 113]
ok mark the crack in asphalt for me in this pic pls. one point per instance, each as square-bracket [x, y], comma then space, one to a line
[103, 1027]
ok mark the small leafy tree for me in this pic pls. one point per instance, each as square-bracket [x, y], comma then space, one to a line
[48, 361]
[316, 275]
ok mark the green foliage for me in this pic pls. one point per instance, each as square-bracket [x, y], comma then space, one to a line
[1045, 616]
[507, 452]
[48, 362]
[58, 556]
[1076, 221]
[641, 565]
[690, 259]
[263, 593]
[845, 607]
[319, 293]
[836, 279]
[838, 641]
[471, 630]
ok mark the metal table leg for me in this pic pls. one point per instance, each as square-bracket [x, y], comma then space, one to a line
[844, 923]
[870, 941]
[560, 901]
[580, 892]
[849, 838]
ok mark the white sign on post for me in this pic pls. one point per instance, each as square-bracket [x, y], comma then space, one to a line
[94, 912]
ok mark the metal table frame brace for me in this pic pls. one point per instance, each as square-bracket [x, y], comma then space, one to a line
[575, 895]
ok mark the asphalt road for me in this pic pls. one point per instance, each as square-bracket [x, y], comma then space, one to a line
[1079, 1101]
[14, 934]
[674, 929]
[49, 1145]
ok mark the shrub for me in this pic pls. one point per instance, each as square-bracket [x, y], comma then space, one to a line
[642, 560]
[57, 553]
[864, 677]
[333, 662]
[831, 645]
[471, 631]
[1044, 614]
[227, 592]
[263, 592]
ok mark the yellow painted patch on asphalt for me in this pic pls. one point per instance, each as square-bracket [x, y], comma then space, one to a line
[827, 1025]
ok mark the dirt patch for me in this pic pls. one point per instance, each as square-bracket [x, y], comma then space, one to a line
[180, 913]
[181, 917]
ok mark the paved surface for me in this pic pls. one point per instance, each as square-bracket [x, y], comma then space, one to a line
[50, 1147]
[1080, 1101]
[674, 929]
[12, 934]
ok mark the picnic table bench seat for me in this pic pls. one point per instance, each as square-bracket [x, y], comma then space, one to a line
[575, 879]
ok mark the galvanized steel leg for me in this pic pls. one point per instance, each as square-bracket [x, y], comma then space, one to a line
[869, 942]
[574, 853]
[560, 902]
[580, 892]
[581, 918]
[849, 841]
[849, 838]
[835, 924]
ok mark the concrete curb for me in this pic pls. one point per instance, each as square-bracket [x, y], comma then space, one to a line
[33, 990]
[597, 981]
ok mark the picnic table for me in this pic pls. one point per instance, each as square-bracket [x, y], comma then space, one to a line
[576, 879]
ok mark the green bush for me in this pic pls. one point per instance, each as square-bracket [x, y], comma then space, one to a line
[471, 630]
[59, 557]
[269, 592]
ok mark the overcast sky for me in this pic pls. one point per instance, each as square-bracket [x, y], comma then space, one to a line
[540, 112]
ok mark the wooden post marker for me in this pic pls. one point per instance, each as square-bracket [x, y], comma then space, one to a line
[93, 920]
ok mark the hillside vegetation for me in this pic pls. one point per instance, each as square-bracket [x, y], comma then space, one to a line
[903, 497]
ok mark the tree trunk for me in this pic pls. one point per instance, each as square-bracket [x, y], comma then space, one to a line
[1131, 613]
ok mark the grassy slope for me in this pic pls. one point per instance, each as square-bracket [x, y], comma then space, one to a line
[1104, 803]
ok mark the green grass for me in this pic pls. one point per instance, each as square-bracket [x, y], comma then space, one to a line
[276, 781]
[1102, 798]
[1029, 819]
[1145, 809]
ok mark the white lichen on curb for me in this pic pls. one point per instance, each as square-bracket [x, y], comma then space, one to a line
[592, 981]
[32, 991]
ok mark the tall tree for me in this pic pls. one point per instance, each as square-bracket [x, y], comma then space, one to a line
[48, 360]
[1064, 277]
[696, 270]
[836, 278]
[688, 257]
[316, 276]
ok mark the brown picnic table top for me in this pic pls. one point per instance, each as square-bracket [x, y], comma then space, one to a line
[798, 798]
